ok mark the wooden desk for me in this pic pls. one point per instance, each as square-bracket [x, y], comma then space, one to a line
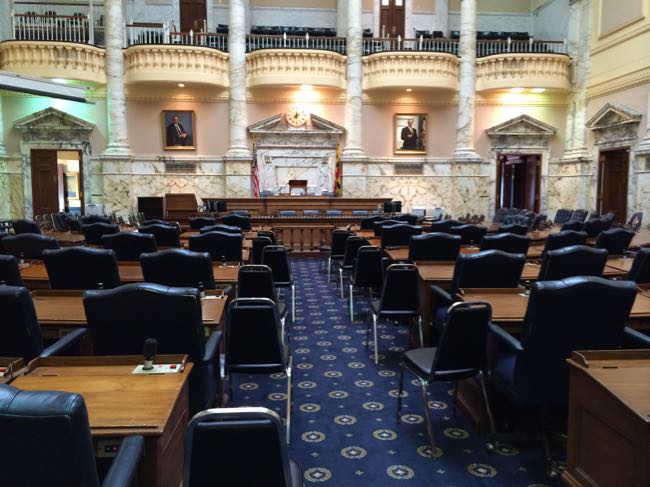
[120, 403]
[620, 264]
[609, 419]
[303, 236]
[641, 239]
[401, 254]
[35, 276]
[66, 239]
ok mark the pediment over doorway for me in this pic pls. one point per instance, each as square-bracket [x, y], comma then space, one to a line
[52, 119]
[613, 115]
[523, 125]
[278, 124]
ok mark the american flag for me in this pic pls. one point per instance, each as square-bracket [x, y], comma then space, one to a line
[255, 176]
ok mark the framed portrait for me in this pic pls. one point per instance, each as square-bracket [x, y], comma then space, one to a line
[179, 130]
[410, 133]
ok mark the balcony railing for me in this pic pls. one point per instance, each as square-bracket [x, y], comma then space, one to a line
[492, 47]
[255, 42]
[386, 44]
[51, 27]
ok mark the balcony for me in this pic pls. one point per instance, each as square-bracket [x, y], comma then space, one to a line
[397, 69]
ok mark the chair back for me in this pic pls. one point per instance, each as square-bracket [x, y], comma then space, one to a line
[488, 269]
[93, 232]
[90, 219]
[129, 245]
[398, 235]
[51, 426]
[339, 238]
[565, 238]
[333, 212]
[576, 260]
[607, 220]
[310, 212]
[434, 246]
[635, 221]
[407, 217]
[507, 242]
[267, 233]
[579, 215]
[9, 271]
[575, 225]
[231, 431]
[220, 227]
[352, 245]
[25, 226]
[29, 245]
[221, 246]
[81, 268]
[255, 281]
[157, 221]
[21, 333]
[71, 222]
[562, 216]
[198, 222]
[237, 220]
[469, 233]
[444, 226]
[166, 235]
[369, 222]
[640, 270]
[463, 338]
[615, 240]
[515, 228]
[368, 267]
[277, 258]
[257, 248]
[400, 293]
[594, 226]
[378, 227]
[178, 268]
[253, 336]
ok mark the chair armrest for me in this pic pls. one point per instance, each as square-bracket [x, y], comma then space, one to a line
[212, 347]
[635, 339]
[506, 339]
[63, 344]
[125, 464]
[441, 297]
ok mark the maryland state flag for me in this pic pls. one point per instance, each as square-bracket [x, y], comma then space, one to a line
[255, 174]
[338, 172]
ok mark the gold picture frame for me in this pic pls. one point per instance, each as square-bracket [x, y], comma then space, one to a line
[179, 129]
[411, 140]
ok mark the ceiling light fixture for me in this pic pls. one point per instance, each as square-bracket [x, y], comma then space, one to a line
[181, 85]
[516, 90]
[538, 90]
[409, 90]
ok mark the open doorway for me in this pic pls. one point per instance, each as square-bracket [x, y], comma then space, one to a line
[613, 167]
[518, 181]
[57, 181]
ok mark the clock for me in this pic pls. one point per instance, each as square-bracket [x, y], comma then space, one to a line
[296, 116]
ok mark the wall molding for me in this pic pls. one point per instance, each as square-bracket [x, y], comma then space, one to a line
[620, 83]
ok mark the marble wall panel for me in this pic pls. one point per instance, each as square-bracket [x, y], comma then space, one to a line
[11, 189]
[412, 191]
[643, 197]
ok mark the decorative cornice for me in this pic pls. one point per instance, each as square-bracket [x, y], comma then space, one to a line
[620, 83]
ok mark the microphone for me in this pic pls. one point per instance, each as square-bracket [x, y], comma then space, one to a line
[149, 352]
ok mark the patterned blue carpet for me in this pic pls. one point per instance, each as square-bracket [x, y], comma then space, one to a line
[344, 430]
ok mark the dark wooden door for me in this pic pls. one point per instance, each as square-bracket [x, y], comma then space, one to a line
[193, 15]
[612, 183]
[45, 182]
[518, 182]
[391, 18]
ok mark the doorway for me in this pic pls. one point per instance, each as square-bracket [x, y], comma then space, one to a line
[57, 181]
[193, 15]
[613, 168]
[518, 181]
[391, 18]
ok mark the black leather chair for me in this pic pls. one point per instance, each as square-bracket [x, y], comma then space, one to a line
[461, 354]
[90, 219]
[407, 217]
[640, 270]
[93, 232]
[220, 227]
[562, 216]
[81, 268]
[166, 235]
[157, 221]
[615, 240]
[267, 233]
[346, 264]
[9, 271]
[565, 238]
[594, 226]
[368, 272]
[3, 234]
[444, 226]
[507, 242]
[487, 269]
[21, 333]
[237, 220]
[129, 245]
[28, 245]
[369, 222]
[398, 235]
[257, 248]
[178, 268]
[470, 234]
[337, 248]
[121, 319]
[435, 246]
[52, 426]
[576, 260]
[574, 225]
[515, 228]
[25, 226]
[607, 220]
[231, 431]
[579, 215]
[220, 245]
[256, 281]
[635, 220]
[277, 258]
[198, 222]
[71, 222]
[400, 300]
[254, 344]
[533, 373]
[379, 226]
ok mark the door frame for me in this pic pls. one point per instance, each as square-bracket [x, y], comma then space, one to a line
[81, 175]
[600, 165]
[538, 177]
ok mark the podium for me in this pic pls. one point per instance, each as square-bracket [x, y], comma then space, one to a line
[298, 184]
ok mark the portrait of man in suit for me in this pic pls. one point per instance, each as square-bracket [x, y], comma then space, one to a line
[179, 130]
[410, 133]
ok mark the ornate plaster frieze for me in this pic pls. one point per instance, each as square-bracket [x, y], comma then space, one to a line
[417, 69]
[513, 70]
[615, 125]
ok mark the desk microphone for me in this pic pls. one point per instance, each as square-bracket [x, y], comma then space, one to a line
[149, 352]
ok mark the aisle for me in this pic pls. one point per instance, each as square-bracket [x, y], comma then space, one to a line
[344, 430]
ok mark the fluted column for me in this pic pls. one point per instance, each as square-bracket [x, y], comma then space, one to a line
[354, 78]
[118, 139]
[3, 149]
[466, 96]
[237, 117]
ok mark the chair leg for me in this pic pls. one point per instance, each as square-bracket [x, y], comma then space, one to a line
[374, 332]
[351, 304]
[399, 394]
[492, 443]
[341, 281]
[282, 320]
[293, 303]
[455, 398]
[427, 415]
[329, 268]
[420, 330]
[289, 387]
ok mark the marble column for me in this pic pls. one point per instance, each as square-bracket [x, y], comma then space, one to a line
[354, 78]
[466, 96]
[575, 147]
[118, 139]
[237, 118]
[341, 17]
[3, 149]
[644, 146]
[5, 20]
